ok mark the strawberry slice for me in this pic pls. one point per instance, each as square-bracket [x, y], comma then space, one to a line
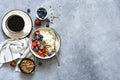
[42, 55]
[32, 47]
[39, 52]
[38, 42]
[34, 43]
[37, 32]
[43, 50]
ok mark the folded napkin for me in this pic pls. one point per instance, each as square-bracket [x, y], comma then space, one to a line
[12, 49]
[27, 55]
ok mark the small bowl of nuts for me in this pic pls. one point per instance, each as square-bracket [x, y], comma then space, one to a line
[27, 65]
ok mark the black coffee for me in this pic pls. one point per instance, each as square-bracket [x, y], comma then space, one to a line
[15, 23]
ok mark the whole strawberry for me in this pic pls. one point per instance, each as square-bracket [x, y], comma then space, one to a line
[13, 63]
[37, 22]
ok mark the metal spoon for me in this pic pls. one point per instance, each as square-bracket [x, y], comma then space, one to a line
[57, 56]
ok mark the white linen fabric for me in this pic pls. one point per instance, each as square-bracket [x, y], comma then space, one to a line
[12, 49]
[27, 55]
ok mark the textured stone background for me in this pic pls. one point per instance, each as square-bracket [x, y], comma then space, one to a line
[90, 40]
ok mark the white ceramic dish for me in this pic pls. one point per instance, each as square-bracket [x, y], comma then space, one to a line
[57, 43]
[39, 17]
[27, 24]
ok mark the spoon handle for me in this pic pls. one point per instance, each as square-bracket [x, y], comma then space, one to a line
[57, 57]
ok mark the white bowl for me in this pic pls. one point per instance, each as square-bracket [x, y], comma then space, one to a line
[57, 43]
[44, 17]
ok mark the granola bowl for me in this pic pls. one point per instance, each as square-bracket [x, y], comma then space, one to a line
[27, 65]
[44, 43]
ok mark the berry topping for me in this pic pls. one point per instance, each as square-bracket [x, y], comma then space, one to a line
[13, 63]
[37, 22]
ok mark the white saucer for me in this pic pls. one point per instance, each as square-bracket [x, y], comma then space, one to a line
[27, 28]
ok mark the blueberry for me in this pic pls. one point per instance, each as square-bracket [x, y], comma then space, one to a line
[40, 14]
[43, 17]
[49, 54]
[45, 12]
[44, 46]
[33, 40]
[43, 42]
[28, 10]
[42, 10]
[47, 20]
[38, 46]
[40, 37]
[47, 24]
[39, 63]
[35, 49]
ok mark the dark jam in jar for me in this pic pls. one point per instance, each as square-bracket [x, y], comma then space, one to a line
[15, 23]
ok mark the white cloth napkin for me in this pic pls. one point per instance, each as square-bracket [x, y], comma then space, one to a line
[12, 49]
[27, 55]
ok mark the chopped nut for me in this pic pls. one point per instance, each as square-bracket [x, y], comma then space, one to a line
[51, 22]
[51, 16]
[50, 6]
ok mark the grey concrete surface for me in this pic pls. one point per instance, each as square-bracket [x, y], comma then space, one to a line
[90, 40]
